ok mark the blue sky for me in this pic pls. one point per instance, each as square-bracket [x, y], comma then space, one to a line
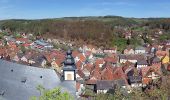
[38, 9]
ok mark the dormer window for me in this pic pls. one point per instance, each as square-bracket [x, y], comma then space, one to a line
[24, 79]
[12, 70]
[2, 92]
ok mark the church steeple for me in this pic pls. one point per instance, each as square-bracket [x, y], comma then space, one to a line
[69, 68]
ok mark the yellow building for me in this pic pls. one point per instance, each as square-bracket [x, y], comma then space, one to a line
[165, 60]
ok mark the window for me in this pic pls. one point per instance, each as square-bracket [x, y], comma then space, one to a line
[69, 77]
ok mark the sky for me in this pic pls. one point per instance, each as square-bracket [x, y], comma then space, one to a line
[39, 9]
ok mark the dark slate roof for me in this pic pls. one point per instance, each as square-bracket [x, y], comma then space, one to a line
[105, 84]
[142, 62]
[69, 63]
[135, 79]
[155, 60]
[122, 56]
[19, 82]
[139, 48]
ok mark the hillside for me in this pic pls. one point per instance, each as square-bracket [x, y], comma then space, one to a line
[99, 31]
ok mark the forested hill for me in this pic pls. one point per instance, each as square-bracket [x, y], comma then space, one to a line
[95, 30]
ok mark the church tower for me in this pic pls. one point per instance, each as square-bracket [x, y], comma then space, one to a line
[69, 68]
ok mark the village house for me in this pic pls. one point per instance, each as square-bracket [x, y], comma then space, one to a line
[89, 55]
[130, 58]
[57, 64]
[167, 42]
[86, 72]
[42, 45]
[79, 88]
[80, 57]
[135, 81]
[133, 74]
[142, 63]
[99, 62]
[129, 51]
[140, 50]
[111, 50]
[88, 48]
[80, 75]
[22, 40]
[80, 65]
[27, 57]
[111, 60]
[151, 73]
[154, 60]
[41, 60]
[75, 53]
[122, 58]
[99, 51]
[161, 53]
[128, 35]
[104, 86]
[165, 59]
[16, 58]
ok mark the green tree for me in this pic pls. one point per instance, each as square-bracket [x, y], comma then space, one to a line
[23, 49]
[53, 94]
[121, 43]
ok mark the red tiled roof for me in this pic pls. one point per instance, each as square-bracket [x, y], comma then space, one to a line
[12, 44]
[89, 67]
[75, 53]
[99, 61]
[59, 62]
[161, 53]
[79, 64]
[77, 86]
[124, 68]
[154, 68]
[82, 57]
[26, 44]
[146, 80]
[80, 73]
[96, 73]
[107, 74]
[110, 59]
[119, 74]
[22, 39]
[49, 59]
[91, 81]
[145, 70]
[88, 53]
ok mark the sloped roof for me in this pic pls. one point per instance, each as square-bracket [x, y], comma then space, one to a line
[142, 62]
[155, 60]
[105, 84]
[139, 48]
[12, 75]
